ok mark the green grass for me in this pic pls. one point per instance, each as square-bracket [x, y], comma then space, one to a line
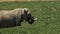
[48, 14]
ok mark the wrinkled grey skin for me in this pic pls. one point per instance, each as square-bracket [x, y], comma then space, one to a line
[8, 19]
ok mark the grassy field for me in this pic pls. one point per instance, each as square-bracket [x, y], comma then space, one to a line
[26, 0]
[48, 14]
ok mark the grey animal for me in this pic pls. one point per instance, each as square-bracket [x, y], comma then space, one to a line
[9, 18]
